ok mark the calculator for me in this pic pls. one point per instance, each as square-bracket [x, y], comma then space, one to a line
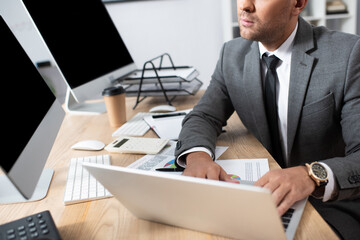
[139, 145]
[37, 226]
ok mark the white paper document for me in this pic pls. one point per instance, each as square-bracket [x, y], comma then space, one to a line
[167, 125]
[165, 158]
[238, 169]
[245, 169]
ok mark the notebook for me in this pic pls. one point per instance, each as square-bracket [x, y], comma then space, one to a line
[220, 208]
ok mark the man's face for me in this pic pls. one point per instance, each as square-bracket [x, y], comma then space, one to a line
[266, 21]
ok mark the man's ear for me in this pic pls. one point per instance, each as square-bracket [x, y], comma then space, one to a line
[299, 6]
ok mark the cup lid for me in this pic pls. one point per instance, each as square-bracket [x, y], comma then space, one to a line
[112, 91]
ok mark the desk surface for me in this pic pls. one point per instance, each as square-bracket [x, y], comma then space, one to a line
[107, 218]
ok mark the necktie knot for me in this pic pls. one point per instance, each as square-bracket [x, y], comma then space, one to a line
[271, 61]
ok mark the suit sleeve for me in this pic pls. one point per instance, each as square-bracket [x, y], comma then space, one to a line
[347, 169]
[203, 125]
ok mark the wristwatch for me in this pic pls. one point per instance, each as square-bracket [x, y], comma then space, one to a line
[318, 173]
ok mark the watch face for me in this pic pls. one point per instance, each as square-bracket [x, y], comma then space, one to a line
[319, 171]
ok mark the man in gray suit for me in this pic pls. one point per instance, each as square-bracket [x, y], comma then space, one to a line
[303, 107]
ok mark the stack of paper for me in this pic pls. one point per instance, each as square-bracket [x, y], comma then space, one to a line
[335, 7]
[166, 75]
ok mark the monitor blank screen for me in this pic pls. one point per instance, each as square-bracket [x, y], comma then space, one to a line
[81, 37]
[32, 118]
[26, 98]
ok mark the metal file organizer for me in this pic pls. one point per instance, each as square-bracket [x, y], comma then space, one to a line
[151, 81]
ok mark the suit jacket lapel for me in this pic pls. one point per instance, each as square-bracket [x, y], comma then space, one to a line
[254, 90]
[301, 68]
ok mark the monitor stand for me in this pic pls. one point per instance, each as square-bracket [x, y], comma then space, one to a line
[74, 107]
[10, 194]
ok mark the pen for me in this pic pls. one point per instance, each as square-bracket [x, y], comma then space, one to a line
[169, 169]
[169, 115]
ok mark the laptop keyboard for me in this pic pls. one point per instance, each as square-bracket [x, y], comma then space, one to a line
[287, 217]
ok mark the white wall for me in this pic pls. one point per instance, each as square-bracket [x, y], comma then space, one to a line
[191, 31]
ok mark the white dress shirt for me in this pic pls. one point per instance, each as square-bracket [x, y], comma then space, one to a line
[282, 86]
[284, 53]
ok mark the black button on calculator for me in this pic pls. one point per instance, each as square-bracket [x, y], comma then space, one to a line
[37, 226]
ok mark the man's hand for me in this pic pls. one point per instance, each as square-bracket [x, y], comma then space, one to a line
[200, 164]
[287, 186]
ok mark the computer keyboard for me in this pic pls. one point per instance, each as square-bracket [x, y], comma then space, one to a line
[135, 127]
[80, 185]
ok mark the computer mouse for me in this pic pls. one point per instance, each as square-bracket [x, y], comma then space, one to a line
[91, 145]
[162, 109]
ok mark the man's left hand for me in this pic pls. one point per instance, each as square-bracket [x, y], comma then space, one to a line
[287, 186]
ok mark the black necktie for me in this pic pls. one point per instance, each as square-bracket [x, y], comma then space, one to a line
[271, 107]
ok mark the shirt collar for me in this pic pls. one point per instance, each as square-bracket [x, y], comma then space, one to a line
[284, 51]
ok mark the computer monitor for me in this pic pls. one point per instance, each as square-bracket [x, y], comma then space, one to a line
[85, 45]
[31, 118]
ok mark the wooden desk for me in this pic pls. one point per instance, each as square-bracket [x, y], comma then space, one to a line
[107, 218]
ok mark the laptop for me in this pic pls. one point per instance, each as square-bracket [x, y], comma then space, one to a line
[215, 207]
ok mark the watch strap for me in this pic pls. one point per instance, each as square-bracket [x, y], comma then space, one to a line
[319, 191]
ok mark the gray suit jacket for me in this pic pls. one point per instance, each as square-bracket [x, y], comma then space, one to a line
[324, 102]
